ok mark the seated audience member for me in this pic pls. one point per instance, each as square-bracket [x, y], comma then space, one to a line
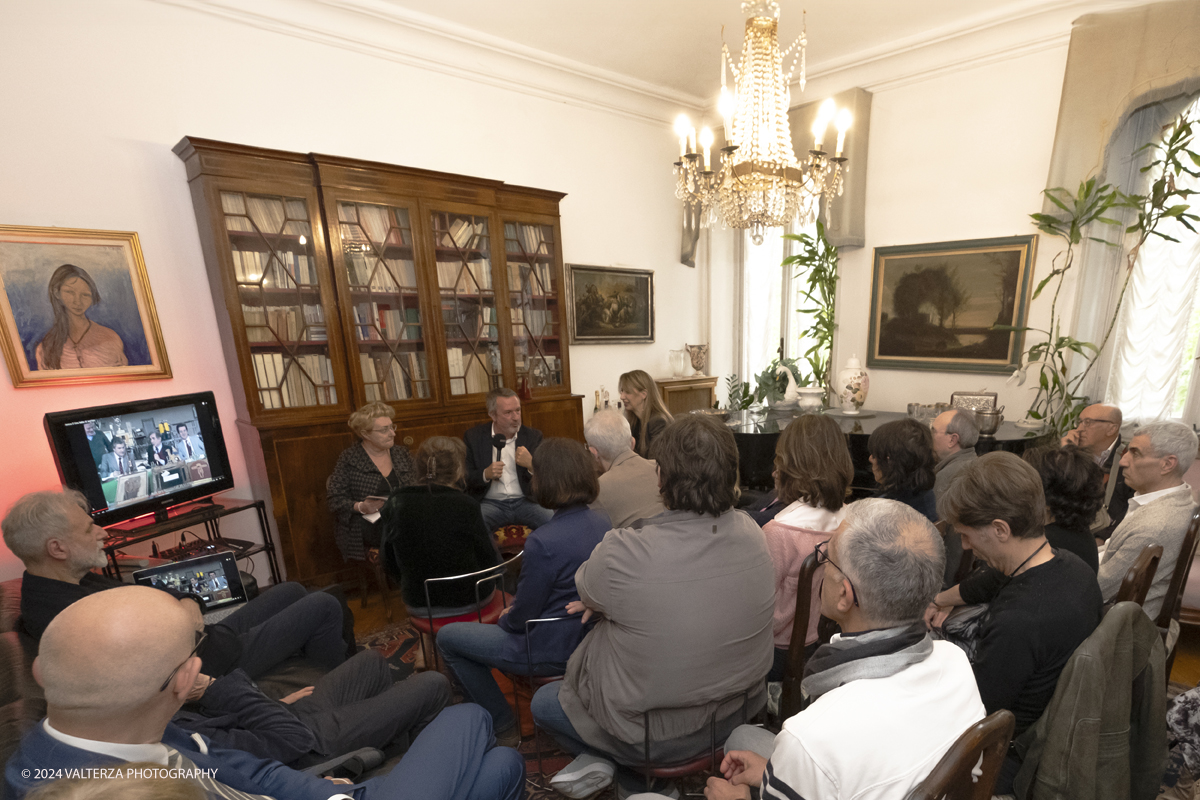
[1098, 432]
[52, 533]
[813, 470]
[499, 455]
[565, 481]
[884, 701]
[901, 456]
[684, 602]
[763, 509]
[141, 780]
[118, 462]
[644, 409]
[629, 483]
[433, 530]
[1159, 511]
[367, 470]
[188, 447]
[954, 434]
[1047, 604]
[111, 691]
[1074, 491]
[356, 705]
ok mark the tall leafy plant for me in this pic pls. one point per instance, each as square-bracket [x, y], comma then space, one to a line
[1058, 401]
[817, 262]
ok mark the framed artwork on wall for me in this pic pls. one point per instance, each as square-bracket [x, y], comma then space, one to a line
[934, 306]
[610, 306]
[75, 307]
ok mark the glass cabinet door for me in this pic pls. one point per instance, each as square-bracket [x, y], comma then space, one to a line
[468, 302]
[277, 282]
[377, 251]
[533, 299]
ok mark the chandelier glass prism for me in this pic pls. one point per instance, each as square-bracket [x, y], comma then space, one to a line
[761, 184]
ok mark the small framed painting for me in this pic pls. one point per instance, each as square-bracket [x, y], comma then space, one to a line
[935, 306]
[75, 307]
[610, 306]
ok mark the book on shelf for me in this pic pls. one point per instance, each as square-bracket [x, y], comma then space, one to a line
[462, 232]
[477, 377]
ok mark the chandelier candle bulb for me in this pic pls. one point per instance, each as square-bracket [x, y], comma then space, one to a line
[682, 124]
[692, 141]
[706, 141]
[843, 125]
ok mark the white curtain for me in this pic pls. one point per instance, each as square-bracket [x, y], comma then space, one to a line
[1152, 341]
[762, 292]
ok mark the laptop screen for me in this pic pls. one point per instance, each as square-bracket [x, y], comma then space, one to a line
[214, 578]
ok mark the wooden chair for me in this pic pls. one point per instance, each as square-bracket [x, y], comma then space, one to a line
[1138, 578]
[485, 613]
[952, 778]
[1173, 601]
[535, 682]
[373, 567]
[710, 760]
[789, 703]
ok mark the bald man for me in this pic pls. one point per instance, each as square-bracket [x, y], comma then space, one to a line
[1098, 433]
[111, 691]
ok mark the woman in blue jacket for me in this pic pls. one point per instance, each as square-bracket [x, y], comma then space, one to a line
[564, 479]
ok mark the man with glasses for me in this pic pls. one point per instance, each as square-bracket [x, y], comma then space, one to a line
[107, 704]
[1098, 433]
[875, 738]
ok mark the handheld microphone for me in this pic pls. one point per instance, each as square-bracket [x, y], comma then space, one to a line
[498, 442]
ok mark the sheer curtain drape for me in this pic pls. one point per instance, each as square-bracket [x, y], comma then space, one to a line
[1152, 344]
[762, 297]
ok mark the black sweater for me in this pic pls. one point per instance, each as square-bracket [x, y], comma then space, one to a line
[434, 532]
[1034, 623]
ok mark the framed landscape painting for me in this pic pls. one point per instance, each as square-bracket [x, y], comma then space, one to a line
[75, 307]
[610, 306]
[934, 306]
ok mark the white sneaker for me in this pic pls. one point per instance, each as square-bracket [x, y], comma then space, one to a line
[584, 777]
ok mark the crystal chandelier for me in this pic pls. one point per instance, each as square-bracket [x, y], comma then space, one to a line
[760, 184]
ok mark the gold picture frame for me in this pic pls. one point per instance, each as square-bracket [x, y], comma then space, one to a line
[76, 308]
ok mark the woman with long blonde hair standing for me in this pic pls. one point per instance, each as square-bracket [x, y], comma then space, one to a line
[643, 408]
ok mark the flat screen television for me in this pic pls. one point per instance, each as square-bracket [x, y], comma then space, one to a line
[141, 457]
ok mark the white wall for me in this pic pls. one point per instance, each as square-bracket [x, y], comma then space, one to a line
[96, 94]
[963, 155]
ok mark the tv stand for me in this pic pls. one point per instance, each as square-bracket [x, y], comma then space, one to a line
[207, 512]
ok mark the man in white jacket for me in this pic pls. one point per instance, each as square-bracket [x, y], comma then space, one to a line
[884, 702]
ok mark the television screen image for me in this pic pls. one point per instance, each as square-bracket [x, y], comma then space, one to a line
[141, 457]
[213, 578]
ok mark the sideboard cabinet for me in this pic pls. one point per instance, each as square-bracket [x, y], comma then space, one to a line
[338, 282]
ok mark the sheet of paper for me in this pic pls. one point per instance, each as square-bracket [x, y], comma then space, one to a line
[371, 517]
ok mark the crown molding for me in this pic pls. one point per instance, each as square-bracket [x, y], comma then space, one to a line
[383, 30]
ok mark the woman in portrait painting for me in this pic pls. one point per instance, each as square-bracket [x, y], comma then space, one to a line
[74, 341]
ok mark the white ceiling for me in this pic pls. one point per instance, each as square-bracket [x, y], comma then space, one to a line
[675, 44]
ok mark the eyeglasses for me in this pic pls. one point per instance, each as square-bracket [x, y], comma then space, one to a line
[822, 550]
[200, 637]
[385, 429]
[1087, 423]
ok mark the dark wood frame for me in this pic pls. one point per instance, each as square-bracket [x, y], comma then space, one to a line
[1025, 245]
[291, 451]
[572, 297]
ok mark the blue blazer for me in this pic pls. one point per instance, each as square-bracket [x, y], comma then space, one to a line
[241, 771]
[553, 553]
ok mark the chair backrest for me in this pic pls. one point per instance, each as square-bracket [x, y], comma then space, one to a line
[952, 778]
[492, 575]
[1140, 575]
[1173, 600]
[789, 704]
[650, 770]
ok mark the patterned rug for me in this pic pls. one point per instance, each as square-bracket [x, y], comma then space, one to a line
[401, 646]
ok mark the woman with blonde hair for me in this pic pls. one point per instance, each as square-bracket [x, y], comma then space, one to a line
[366, 473]
[434, 529]
[643, 408]
[812, 473]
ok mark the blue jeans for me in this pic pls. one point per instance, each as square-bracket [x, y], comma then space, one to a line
[453, 759]
[471, 651]
[517, 511]
[548, 713]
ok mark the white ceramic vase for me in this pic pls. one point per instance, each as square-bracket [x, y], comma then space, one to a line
[852, 385]
[812, 399]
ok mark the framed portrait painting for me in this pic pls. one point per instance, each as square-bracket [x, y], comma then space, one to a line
[936, 306]
[610, 306]
[75, 307]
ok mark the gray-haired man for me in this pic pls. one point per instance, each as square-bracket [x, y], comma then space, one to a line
[1159, 511]
[629, 485]
[860, 738]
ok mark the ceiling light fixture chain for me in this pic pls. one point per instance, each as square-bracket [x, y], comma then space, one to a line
[761, 184]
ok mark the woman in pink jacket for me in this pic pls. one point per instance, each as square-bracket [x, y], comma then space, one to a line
[812, 475]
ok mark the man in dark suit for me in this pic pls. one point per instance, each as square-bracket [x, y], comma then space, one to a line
[499, 455]
[1099, 433]
[160, 454]
[107, 704]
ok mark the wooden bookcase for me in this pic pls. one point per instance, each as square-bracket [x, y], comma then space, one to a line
[338, 282]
